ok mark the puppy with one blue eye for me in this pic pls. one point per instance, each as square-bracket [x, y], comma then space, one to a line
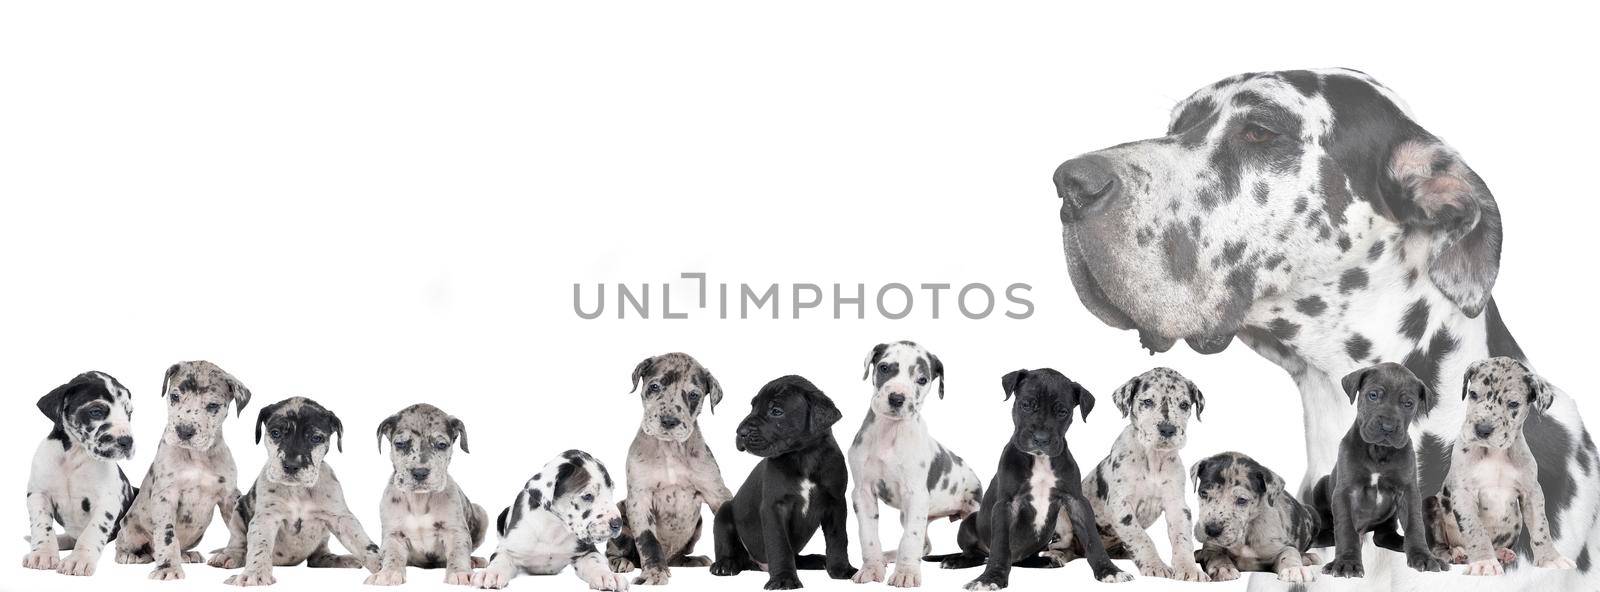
[297, 501]
[427, 520]
[75, 479]
[1373, 487]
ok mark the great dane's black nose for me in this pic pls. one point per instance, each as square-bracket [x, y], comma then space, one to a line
[670, 422]
[125, 442]
[420, 474]
[1484, 429]
[1041, 438]
[294, 465]
[1387, 427]
[1213, 529]
[616, 526]
[1082, 181]
[1167, 430]
[185, 432]
[896, 400]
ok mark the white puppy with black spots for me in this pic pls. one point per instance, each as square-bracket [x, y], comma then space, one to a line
[563, 516]
[75, 479]
[1143, 477]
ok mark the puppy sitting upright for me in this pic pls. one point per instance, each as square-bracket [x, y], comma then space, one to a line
[798, 485]
[193, 472]
[75, 479]
[297, 500]
[427, 520]
[1142, 478]
[895, 458]
[561, 517]
[1373, 486]
[1493, 474]
[670, 470]
[1022, 522]
[1247, 522]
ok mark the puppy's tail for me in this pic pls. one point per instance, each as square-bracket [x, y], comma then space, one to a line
[1322, 512]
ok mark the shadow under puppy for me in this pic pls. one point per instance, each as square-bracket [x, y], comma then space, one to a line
[75, 480]
[1248, 522]
[561, 517]
[798, 486]
[1373, 487]
[1034, 513]
[670, 470]
[1493, 484]
[193, 472]
[297, 501]
[426, 518]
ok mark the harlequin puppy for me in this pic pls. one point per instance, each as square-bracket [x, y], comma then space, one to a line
[1248, 522]
[671, 471]
[798, 486]
[192, 473]
[297, 501]
[1373, 487]
[1493, 485]
[1034, 513]
[894, 458]
[562, 517]
[427, 520]
[1142, 478]
[75, 479]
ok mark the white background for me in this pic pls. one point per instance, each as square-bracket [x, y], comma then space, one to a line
[376, 204]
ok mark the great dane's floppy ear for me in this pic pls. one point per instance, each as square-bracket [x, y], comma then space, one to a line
[266, 412]
[1011, 381]
[458, 432]
[51, 404]
[713, 388]
[237, 390]
[1436, 190]
[1352, 382]
[338, 429]
[821, 413]
[1083, 399]
[1265, 483]
[1197, 399]
[166, 379]
[386, 429]
[642, 369]
[1123, 396]
[1541, 395]
[1427, 398]
[872, 358]
[938, 371]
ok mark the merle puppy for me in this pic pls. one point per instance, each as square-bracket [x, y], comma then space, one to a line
[1021, 521]
[798, 486]
[1373, 487]
[1249, 522]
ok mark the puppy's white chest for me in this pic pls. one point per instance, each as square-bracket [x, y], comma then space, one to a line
[1494, 479]
[1040, 483]
[806, 488]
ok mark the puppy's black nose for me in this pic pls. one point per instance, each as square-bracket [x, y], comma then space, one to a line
[420, 474]
[745, 430]
[1386, 427]
[1484, 429]
[1167, 430]
[125, 442]
[896, 400]
[670, 422]
[185, 432]
[1041, 438]
[616, 526]
[293, 466]
[1213, 529]
[1082, 181]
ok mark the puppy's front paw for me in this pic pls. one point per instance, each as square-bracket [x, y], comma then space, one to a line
[1223, 572]
[987, 582]
[611, 581]
[1345, 568]
[1425, 561]
[1310, 558]
[1115, 577]
[171, 572]
[42, 559]
[1505, 555]
[653, 576]
[869, 572]
[490, 578]
[783, 581]
[225, 559]
[1557, 562]
[1296, 575]
[479, 562]
[78, 563]
[262, 578]
[126, 558]
[193, 557]
[693, 561]
[387, 578]
[1155, 570]
[726, 567]
[1486, 567]
[1189, 572]
[621, 564]
[840, 571]
[1458, 555]
[458, 578]
[905, 578]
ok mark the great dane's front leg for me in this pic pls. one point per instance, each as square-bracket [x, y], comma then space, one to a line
[392, 570]
[231, 556]
[258, 559]
[1084, 529]
[348, 530]
[914, 525]
[1140, 547]
[1180, 532]
[780, 554]
[835, 526]
[41, 533]
[1217, 562]
[162, 504]
[458, 551]
[1480, 550]
[1544, 549]
[85, 555]
[1346, 539]
[1418, 555]
[866, 506]
[997, 572]
[652, 558]
[1291, 567]
[593, 570]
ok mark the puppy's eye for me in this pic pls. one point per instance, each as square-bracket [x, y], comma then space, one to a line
[275, 433]
[1408, 403]
[1372, 395]
[693, 397]
[1241, 502]
[213, 408]
[403, 446]
[775, 412]
[441, 445]
[173, 397]
[97, 413]
[1513, 405]
[883, 368]
[588, 497]
[655, 387]
[922, 381]
[1256, 134]
[318, 438]
[1184, 406]
[1472, 395]
[1147, 403]
[1063, 412]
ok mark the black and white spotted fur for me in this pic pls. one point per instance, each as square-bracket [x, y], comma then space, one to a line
[75, 480]
[895, 459]
[1310, 214]
[1492, 488]
[193, 472]
[1246, 521]
[427, 520]
[297, 501]
[562, 517]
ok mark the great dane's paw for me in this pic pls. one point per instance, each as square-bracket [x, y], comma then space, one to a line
[611, 581]
[1345, 568]
[1189, 572]
[783, 581]
[984, 583]
[171, 572]
[387, 578]
[621, 565]
[490, 578]
[42, 559]
[1054, 558]
[1557, 562]
[726, 567]
[1297, 575]
[193, 557]
[1223, 572]
[1486, 567]
[458, 578]
[263, 578]
[78, 563]
[479, 562]
[1425, 561]
[1310, 558]
[125, 557]
[1116, 577]
[1458, 555]
[869, 572]
[841, 571]
[693, 561]
[1155, 570]
[225, 559]
[653, 576]
[1506, 556]
[905, 578]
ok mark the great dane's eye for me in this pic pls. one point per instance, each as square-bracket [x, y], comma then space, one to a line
[403, 446]
[655, 387]
[318, 438]
[1241, 502]
[883, 368]
[214, 407]
[922, 381]
[1372, 395]
[693, 397]
[173, 397]
[1184, 406]
[588, 497]
[97, 413]
[1063, 412]
[275, 433]
[1513, 405]
[441, 445]
[1256, 134]
[775, 412]
[1408, 403]
[1147, 403]
[1472, 395]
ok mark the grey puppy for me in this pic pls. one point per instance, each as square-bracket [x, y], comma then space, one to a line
[428, 521]
[1494, 475]
[193, 472]
[297, 501]
[670, 470]
[1373, 487]
[1248, 522]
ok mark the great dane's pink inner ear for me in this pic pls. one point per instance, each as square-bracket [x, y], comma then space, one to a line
[1441, 193]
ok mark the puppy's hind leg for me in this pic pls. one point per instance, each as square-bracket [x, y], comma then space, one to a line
[322, 557]
[1387, 536]
[682, 557]
[971, 554]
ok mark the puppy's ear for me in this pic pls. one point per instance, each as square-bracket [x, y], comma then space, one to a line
[237, 390]
[1123, 396]
[261, 417]
[166, 380]
[386, 429]
[1194, 472]
[1469, 375]
[821, 413]
[1266, 484]
[458, 432]
[640, 370]
[53, 403]
[938, 371]
[1197, 399]
[338, 430]
[713, 388]
[1011, 381]
[1540, 394]
[872, 358]
[1352, 382]
[1433, 189]
[1084, 400]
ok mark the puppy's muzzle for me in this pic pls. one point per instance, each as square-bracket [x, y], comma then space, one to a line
[185, 432]
[291, 466]
[669, 422]
[1166, 429]
[1483, 430]
[897, 401]
[420, 475]
[1213, 529]
[1084, 182]
[110, 446]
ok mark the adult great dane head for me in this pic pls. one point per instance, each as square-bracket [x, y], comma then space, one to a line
[1309, 214]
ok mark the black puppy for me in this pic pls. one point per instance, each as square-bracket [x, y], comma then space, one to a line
[799, 485]
[1373, 486]
[1036, 479]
